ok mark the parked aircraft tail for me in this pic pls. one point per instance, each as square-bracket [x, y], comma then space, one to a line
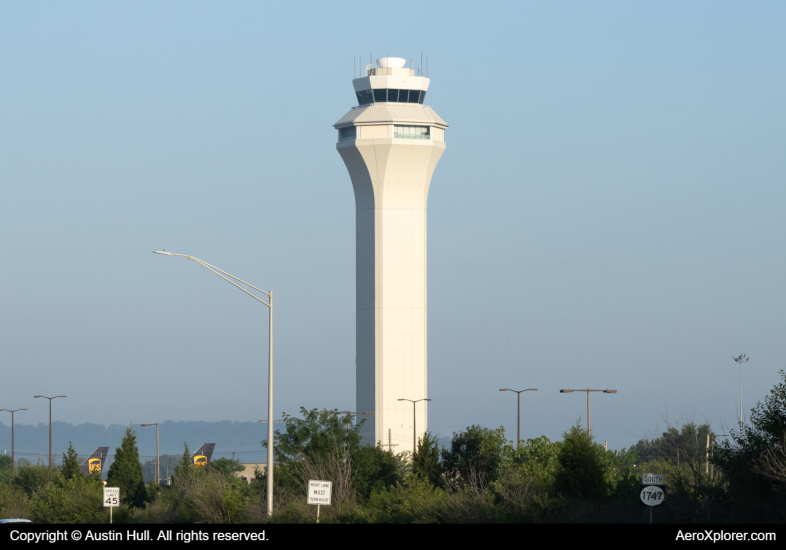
[95, 462]
[203, 455]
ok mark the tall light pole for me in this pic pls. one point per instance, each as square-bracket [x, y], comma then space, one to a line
[589, 432]
[518, 414]
[158, 456]
[231, 280]
[740, 360]
[414, 433]
[13, 459]
[50, 424]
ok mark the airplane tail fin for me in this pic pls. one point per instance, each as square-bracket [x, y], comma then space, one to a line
[204, 454]
[95, 462]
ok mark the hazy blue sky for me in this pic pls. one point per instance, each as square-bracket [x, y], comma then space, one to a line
[609, 211]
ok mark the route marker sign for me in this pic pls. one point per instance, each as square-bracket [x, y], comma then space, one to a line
[319, 493]
[652, 495]
[111, 499]
[652, 479]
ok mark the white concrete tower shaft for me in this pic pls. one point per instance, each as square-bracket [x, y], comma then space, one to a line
[391, 143]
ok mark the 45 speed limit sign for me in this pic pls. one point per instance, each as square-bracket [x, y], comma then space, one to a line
[652, 495]
[111, 497]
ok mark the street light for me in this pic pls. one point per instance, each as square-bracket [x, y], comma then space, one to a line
[226, 276]
[158, 456]
[518, 417]
[50, 424]
[414, 438]
[740, 360]
[13, 470]
[588, 404]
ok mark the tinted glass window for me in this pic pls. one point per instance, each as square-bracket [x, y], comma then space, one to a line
[422, 97]
[393, 95]
[402, 96]
[380, 95]
[345, 134]
[360, 97]
[367, 97]
[413, 96]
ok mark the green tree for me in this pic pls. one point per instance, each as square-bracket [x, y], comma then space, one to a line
[425, 461]
[765, 433]
[581, 470]
[474, 457]
[70, 468]
[126, 471]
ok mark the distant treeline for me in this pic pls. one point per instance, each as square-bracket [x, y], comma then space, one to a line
[242, 438]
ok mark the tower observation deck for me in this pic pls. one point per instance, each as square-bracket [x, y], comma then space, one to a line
[391, 143]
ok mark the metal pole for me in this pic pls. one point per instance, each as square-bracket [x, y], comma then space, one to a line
[740, 396]
[414, 442]
[50, 434]
[707, 459]
[589, 432]
[270, 411]
[518, 419]
[13, 458]
[158, 459]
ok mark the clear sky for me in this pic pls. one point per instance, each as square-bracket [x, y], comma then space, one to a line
[609, 212]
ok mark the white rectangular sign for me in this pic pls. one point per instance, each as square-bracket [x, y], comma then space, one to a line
[652, 479]
[319, 492]
[111, 497]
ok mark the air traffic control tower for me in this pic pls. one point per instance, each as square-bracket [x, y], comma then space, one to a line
[391, 143]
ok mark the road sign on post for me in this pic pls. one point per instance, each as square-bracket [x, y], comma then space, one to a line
[652, 495]
[319, 493]
[652, 479]
[111, 499]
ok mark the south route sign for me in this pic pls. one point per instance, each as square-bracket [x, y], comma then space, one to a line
[652, 479]
[319, 492]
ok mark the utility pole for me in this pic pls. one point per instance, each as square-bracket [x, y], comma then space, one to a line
[390, 443]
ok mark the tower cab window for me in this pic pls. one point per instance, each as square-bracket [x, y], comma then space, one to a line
[346, 134]
[390, 96]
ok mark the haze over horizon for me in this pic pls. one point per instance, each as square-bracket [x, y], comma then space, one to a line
[608, 212]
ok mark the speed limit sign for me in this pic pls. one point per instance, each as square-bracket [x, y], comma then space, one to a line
[111, 497]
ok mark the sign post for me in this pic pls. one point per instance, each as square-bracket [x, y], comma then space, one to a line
[652, 494]
[111, 499]
[319, 493]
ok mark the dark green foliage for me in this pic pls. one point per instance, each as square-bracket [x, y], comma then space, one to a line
[765, 432]
[375, 468]
[125, 471]
[425, 461]
[581, 470]
[474, 457]
[5, 469]
[70, 468]
[225, 466]
[688, 443]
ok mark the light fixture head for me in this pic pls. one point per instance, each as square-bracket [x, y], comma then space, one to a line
[505, 389]
[427, 400]
[566, 391]
[62, 396]
[164, 252]
[533, 389]
[37, 396]
[609, 391]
